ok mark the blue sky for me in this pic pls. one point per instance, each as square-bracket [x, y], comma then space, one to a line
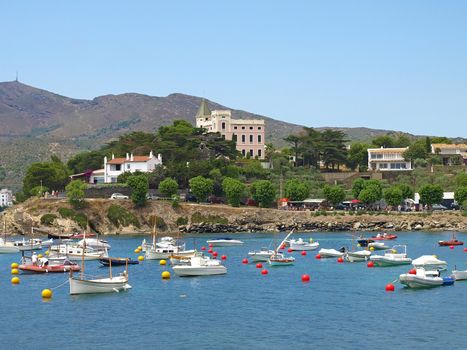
[399, 65]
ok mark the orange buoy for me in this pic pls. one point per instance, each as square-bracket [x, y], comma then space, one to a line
[340, 260]
[370, 264]
[412, 272]
[245, 261]
[318, 256]
[389, 287]
[203, 248]
[305, 278]
[224, 257]
[259, 266]
[303, 252]
[264, 272]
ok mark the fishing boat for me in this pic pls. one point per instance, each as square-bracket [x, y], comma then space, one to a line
[261, 255]
[224, 242]
[300, 244]
[330, 253]
[452, 241]
[459, 275]
[200, 266]
[164, 249]
[384, 237]
[86, 285]
[279, 259]
[392, 257]
[424, 279]
[429, 262]
[48, 265]
[107, 261]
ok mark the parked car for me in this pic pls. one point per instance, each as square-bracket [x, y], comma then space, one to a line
[118, 196]
[438, 207]
[190, 198]
[216, 200]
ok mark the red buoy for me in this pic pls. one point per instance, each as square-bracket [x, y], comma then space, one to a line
[318, 256]
[305, 278]
[412, 272]
[259, 266]
[210, 251]
[389, 287]
[210, 245]
[245, 261]
[465, 249]
[303, 253]
[370, 264]
[290, 250]
[264, 272]
[340, 260]
[203, 248]
[451, 247]
[224, 257]
[214, 254]
[283, 246]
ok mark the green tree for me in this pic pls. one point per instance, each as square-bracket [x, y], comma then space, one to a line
[168, 187]
[393, 196]
[407, 191]
[431, 194]
[75, 191]
[417, 150]
[384, 141]
[263, 192]
[139, 185]
[334, 194]
[461, 194]
[333, 149]
[357, 187]
[294, 141]
[296, 190]
[53, 175]
[234, 190]
[357, 156]
[370, 195]
[201, 187]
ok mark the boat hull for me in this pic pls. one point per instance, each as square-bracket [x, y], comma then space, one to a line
[50, 268]
[304, 246]
[8, 249]
[103, 285]
[357, 256]
[385, 262]
[260, 256]
[117, 261]
[188, 270]
[414, 281]
[449, 243]
[281, 262]
[330, 253]
[161, 253]
[225, 243]
[459, 275]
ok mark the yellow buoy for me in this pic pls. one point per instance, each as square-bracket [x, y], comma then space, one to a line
[394, 251]
[15, 280]
[372, 248]
[47, 252]
[40, 256]
[162, 262]
[140, 258]
[14, 271]
[359, 245]
[165, 275]
[140, 248]
[14, 265]
[137, 250]
[47, 293]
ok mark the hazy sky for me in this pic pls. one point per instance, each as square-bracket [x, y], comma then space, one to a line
[381, 64]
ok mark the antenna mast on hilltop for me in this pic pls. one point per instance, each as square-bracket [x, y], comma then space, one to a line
[16, 76]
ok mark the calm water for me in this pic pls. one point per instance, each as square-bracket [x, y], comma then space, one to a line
[344, 306]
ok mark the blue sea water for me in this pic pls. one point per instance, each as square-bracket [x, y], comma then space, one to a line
[344, 306]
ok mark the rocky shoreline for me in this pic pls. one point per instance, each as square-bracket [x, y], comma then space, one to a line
[191, 218]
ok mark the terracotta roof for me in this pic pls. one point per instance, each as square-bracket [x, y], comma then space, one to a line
[449, 146]
[124, 160]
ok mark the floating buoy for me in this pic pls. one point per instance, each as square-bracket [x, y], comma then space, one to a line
[465, 249]
[389, 287]
[14, 265]
[14, 271]
[340, 260]
[264, 272]
[210, 251]
[165, 275]
[214, 254]
[451, 247]
[15, 280]
[139, 248]
[140, 258]
[203, 248]
[162, 262]
[393, 251]
[303, 253]
[372, 248]
[210, 245]
[305, 278]
[40, 256]
[245, 261]
[137, 251]
[412, 272]
[47, 252]
[46, 293]
[283, 246]
[224, 257]
[318, 256]
[359, 245]
[370, 264]
[259, 266]
[290, 250]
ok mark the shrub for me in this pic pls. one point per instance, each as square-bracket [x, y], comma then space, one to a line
[48, 219]
[119, 216]
[160, 223]
[81, 219]
[66, 213]
[168, 187]
[182, 220]
[210, 219]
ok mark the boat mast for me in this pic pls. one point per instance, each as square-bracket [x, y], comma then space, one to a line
[283, 241]
[82, 255]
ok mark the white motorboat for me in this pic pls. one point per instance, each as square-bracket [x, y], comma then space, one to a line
[224, 242]
[423, 279]
[392, 257]
[184, 258]
[95, 243]
[76, 252]
[357, 256]
[300, 244]
[429, 262]
[330, 253]
[459, 275]
[261, 255]
[200, 266]
[167, 252]
[377, 246]
[28, 245]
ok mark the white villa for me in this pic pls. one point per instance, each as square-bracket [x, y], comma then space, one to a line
[388, 159]
[448, 151]
[117, 166]
[248, 134]
[6, 198]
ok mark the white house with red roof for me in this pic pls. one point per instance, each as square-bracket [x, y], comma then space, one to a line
[117, 166]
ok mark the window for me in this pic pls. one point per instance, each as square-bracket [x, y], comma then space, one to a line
[243, 152]
[259, 127]
[251, 138]
[128, 166]
[251, 153]
[118, 167]
[235, 128]
[251, 128]
[259, 153]
[243, 128]
[223, 125]
[243, 138]
[234, 137]
[259, 138]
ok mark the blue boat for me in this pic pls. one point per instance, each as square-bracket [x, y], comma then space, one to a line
[117, 261]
